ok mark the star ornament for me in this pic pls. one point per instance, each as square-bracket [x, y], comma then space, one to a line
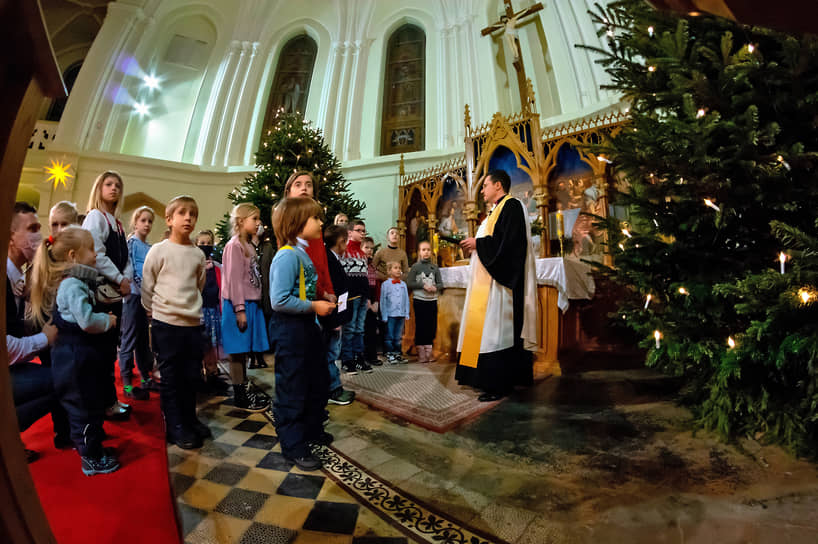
[58, 173]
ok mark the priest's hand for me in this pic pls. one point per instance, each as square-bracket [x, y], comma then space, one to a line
[469, 243]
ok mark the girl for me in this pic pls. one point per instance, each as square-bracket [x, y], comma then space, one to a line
[113, 264]
[302, 378]
[134, 343]
[63, 273]
[62, 214]
[426, 284]
[243, 329]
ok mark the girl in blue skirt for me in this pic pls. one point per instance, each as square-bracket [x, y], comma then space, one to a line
[243, 327]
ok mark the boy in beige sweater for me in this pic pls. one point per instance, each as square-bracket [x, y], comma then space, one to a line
[389, 254]
[172, 279]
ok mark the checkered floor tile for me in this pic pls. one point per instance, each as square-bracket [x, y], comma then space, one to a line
[239, 488]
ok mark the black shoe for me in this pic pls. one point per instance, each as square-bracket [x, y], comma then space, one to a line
[118, 412]
[184, 437]
[216, 385]
[31, 456]
[490, 397]
[349, 367]
[324, 439]
[374, 362]
[362, 366]
[150, 385]
[341, 397]
[63, 442]
[137, 393]
[247, 399]
[307, 463]
[260, 362]
[200, 429]
[103, 465]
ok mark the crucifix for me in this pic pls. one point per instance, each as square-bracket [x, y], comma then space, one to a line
[509, 22]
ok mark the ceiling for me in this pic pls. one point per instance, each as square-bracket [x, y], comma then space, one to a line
[72, 26]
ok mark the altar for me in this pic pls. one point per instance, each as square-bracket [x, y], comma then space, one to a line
[559, 281]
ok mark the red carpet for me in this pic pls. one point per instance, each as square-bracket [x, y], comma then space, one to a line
[134, 504]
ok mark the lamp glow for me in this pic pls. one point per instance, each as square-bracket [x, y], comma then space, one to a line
[141, 108]
[804, 295]
[751, 48]
[151, 81]
[58, 173]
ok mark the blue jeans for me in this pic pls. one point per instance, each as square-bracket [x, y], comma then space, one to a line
[352, 343]
[332, 341]
[394, 334]
[134, 343]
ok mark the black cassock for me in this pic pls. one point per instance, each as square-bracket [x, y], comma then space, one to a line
[503, 254]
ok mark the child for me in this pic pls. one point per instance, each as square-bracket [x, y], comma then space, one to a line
[63, 273]
[172, 279]
[243, 327]
[341, 219]
[300, 362]
[335, 238]
[135, 343]
[355, 266]
[390, 253]
[394, 311]
[211, 312]
[113, 264]
[371, 332]
[426, 284]
[62, 214]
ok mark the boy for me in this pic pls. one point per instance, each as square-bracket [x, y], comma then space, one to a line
[355, 266]
[211, 313]
[335, 239]
[371, 329]
[172, 280]
[394, 311]
[390, 253]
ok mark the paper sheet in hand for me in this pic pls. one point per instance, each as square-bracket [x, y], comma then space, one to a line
[342, 302]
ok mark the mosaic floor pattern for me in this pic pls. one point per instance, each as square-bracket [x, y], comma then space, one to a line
[238, 488]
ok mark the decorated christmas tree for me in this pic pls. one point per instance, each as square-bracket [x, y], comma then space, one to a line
[720, 145]
[289, 145]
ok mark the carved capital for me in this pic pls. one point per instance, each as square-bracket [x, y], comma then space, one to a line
[470, 211]
[541, 196]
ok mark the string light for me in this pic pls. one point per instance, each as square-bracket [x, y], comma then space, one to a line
[622, 247]
[709, 203]
[627, 233]
[805, 295]
[647, 300]
[782, 258]
[683, 291]
[651, 69]
[603, 158]
[650, 31]
[700, 113]
[751, 47]
[783, 162]
[730, 342]
[657, 336]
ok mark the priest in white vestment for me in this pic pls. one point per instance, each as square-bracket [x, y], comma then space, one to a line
[498, 329]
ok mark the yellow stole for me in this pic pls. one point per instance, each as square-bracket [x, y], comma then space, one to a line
[302, 284]
[478, 299]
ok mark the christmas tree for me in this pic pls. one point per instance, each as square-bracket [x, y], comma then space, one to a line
[721, 143]
[293, 144]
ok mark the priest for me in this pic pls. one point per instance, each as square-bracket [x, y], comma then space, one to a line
[498, 329]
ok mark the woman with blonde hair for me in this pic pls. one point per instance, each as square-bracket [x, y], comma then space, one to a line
[112, 262]
[243, 325]
[62, 214]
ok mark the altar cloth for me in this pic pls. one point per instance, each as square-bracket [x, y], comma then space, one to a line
[570, 277]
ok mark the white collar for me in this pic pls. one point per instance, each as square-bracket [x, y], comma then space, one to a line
[12, 272]
[302, 243]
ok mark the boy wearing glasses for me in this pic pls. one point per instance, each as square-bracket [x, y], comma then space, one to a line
[355, 265]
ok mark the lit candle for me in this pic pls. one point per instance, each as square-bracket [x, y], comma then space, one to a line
[627, 233]
[709, 203]
[647, 301]
[782, 258]
[657, 335]
[560, 225]
[805, 295]
[730, 342]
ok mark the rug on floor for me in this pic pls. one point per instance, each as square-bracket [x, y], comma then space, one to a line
[424, 394]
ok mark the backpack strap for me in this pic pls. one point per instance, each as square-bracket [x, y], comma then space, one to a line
[302, 284]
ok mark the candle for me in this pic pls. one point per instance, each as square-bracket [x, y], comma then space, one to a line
[730, 342]
[560, 225]
[657, 335]
[709, 203]
[647, 301]
[782, 258]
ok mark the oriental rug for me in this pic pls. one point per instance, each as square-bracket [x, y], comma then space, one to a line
[424, 394]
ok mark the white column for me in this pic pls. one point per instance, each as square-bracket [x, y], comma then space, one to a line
[243, 110]
[206, 146]
[227, 110]
[355, 115]
[337, 145]
[443, 83]
[92, 85]
[329, 94]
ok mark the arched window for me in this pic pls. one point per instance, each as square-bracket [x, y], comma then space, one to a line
[404, 102]
[291, 84]
[69, 77]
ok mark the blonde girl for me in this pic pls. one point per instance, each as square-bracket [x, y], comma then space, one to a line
[63, 280]
[62, 214]
[243, 326]
[110, 245]
[134, 344]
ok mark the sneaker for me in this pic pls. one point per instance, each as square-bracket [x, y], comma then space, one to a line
[401, 360]
[103, 465]
[375, 362]
[118, 412]
[390, 359]
[136, 393]
[362, 366]
[307, 463]
[245, 398]
[342, 397]
[349, 367]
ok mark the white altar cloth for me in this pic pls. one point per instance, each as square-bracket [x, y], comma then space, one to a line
[570, 277]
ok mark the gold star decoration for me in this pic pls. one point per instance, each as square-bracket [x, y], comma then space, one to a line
[58, 173]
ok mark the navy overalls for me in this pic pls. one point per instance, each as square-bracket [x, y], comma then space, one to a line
[116, 249]
[81, 380]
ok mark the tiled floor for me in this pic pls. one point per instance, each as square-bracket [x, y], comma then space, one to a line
[239, 488]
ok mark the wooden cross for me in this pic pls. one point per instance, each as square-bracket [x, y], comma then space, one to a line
[509, 23]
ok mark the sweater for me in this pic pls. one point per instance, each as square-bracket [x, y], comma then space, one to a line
[172, 280]
[75, 300]
[355, 266]
[285, 281]
[137, 251]
[241, 275]
[424, 272]
[387, 255]
[99, 224]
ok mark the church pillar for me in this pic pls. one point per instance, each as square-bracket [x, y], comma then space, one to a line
[231, 90]
[209, 134]
[329, 96]
[355, 99]
[236, 107]
[445, 78]
[95, 87]
[347, 55]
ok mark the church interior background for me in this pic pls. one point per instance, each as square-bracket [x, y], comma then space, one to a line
[417, 105]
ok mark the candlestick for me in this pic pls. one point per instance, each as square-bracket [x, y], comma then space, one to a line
[560, 224]
[657, 335]
[782, 258]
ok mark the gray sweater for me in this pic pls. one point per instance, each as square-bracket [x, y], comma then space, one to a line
[424, 273]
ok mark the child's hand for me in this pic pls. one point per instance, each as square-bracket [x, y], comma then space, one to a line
[241, 321]
[125, 286]
[112, 317]
[322, 307]
[50, 332]
[329, 297]
[430, 288]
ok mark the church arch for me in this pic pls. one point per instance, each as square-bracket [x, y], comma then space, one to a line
[403, 117]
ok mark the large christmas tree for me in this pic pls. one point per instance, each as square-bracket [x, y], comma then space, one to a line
[293, 144]
[721, 147]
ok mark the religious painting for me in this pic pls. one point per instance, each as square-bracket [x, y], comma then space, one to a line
[575, 193]
[291, 84]
[417, 225]
[521, 185]
[452, 221]
[404, 101]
